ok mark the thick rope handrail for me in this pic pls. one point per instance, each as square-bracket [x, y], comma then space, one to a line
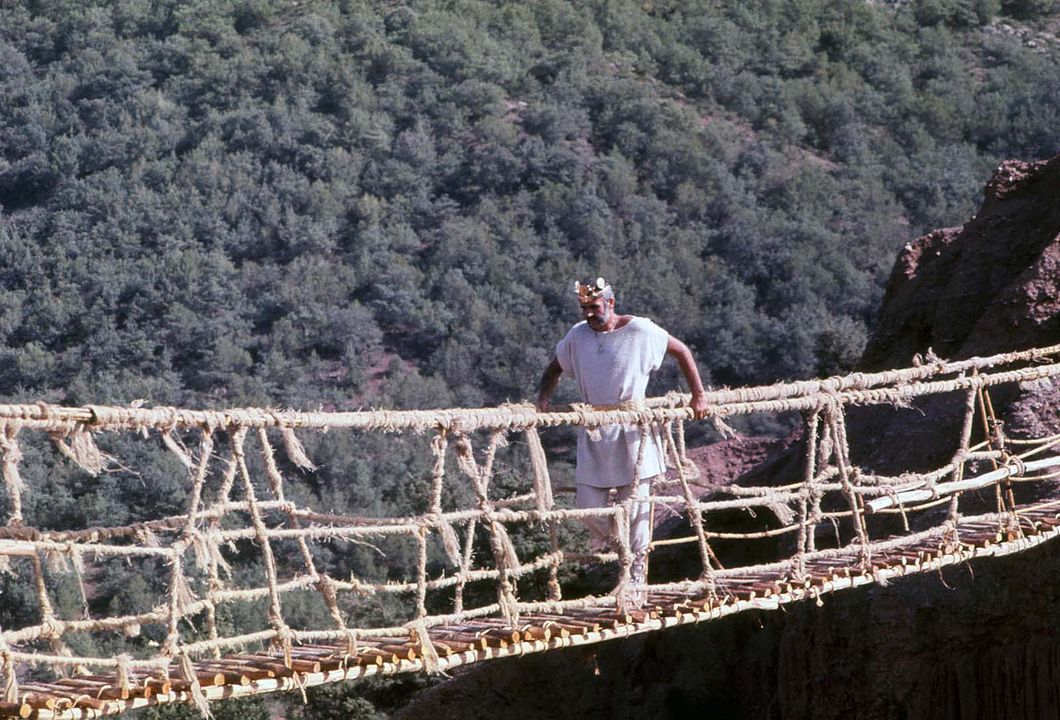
[855, 388]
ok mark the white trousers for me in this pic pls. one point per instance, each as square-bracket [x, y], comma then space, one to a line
[601, 528]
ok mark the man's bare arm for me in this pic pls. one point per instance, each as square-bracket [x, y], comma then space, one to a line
[549, 381]
[680, 352]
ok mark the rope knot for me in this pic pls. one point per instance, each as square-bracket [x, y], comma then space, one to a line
[144, 536]
[200, 546]
[52, 628]
[70, 548]
[674, 399]
[585, 419]
[123, 661]
[351, 642]
[827, 402]
[428, 653]
[931, 484]
[1015, 465]
[285, 637]
[10, 679]
[727, 431]
[361, 587]
[187, 669]
[950, 533]
[9, 444]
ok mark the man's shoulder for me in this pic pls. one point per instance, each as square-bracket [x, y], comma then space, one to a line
[579, 328]
[576, 332]
[644, 324]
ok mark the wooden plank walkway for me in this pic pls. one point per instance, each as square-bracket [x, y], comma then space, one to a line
[240, 675]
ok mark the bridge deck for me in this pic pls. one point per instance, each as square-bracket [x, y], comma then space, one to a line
[472, 642]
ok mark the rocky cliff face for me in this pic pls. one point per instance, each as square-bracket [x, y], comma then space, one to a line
[977, 641]
[989, 286]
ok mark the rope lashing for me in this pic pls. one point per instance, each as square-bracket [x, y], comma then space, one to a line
[450, 542]
[504, 555]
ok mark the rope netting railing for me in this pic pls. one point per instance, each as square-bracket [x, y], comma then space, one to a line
[243, 546]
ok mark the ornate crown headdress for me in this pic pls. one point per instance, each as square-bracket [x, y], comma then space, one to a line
[591, 291]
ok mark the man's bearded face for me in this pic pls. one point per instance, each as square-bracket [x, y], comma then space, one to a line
[598, 312]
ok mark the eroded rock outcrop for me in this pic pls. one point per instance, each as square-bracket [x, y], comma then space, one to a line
[990, 286]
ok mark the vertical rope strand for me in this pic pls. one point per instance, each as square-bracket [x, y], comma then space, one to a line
[544, 501]
[995, 429]
[10, 678]
[840, 453]
[203, 545]
[450, 542]
[695, 517]
[324, 584]
[421, 573]
[12, 455]
[961, 457]
[272, 472]
[275, 614]
[539, 464]
[216, 560]
[465, 567]
[53, 629]
[808, 475]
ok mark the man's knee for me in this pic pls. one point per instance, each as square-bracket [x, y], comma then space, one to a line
[588, 496]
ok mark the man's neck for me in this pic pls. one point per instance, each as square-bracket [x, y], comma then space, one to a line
[616, 322]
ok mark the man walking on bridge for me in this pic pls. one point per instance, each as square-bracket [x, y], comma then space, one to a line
[610, 357]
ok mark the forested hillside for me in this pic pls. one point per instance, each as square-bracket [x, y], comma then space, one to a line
[342, 204]
[216, 203]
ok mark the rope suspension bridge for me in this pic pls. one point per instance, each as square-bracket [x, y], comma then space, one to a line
[841, 526]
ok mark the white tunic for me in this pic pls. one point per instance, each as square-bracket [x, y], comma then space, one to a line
[610, 368]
